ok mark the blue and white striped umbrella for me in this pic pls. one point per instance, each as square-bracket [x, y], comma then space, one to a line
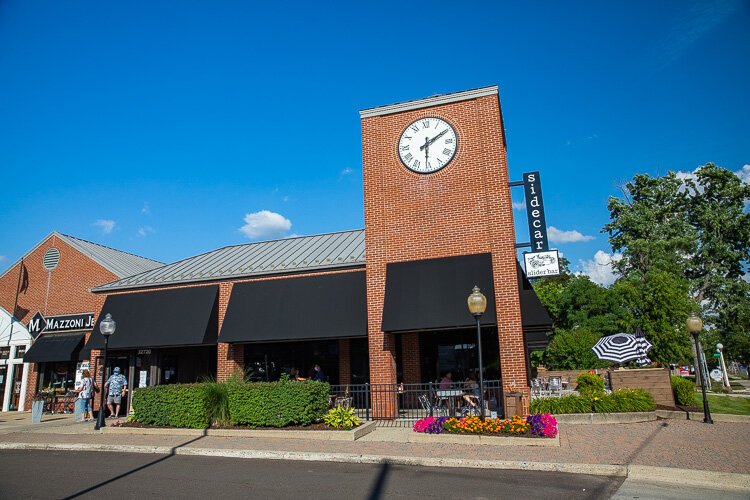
[620, 348]
[643, 347]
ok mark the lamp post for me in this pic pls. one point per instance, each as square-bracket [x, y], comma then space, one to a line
[107, 328]
[720, 348]
[695, 325]
[477, 304]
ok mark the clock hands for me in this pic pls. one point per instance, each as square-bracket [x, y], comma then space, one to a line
[430, 141]
[426, 148]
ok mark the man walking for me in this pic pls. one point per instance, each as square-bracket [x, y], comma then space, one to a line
[115, 391]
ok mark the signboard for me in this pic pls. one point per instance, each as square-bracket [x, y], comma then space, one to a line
[716, 375]
[64, 323]
[540, 264]
[532, 187]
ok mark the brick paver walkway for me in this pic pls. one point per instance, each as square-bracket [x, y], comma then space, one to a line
[723, 447]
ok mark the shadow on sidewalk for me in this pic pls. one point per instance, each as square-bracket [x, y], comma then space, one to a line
[172, 452]
[646, 442]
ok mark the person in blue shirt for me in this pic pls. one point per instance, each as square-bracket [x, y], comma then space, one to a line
[318, 374]
[116, 387]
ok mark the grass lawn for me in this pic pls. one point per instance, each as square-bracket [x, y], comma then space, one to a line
[725, 404]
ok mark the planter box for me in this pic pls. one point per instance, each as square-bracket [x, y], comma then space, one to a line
[351, 435]
[605, 418]
[418, 437]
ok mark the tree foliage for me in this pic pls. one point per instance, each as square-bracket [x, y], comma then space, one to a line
[684, 236]
[571, 350]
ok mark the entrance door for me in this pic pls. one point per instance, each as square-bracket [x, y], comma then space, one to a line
[16, 386]
[142, 375]
[122, 362]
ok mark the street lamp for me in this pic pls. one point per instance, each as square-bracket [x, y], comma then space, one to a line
[720, 349]
[695, 325]
[107, 328]
[477, 304]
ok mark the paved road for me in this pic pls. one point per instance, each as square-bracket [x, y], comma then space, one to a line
[46, 474]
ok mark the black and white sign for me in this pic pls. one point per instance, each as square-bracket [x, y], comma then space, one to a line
[532, 186]
[541, 264]
[65, 323]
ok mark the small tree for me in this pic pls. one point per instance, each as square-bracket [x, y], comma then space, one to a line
[571, 350]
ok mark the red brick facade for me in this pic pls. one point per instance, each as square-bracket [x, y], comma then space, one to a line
[463, 209]
[65, 290]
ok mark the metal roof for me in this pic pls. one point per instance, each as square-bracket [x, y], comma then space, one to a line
[120, 263]
[301, 254]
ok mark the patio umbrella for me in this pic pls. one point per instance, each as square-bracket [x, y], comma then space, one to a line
[620, 347]
[643, 347]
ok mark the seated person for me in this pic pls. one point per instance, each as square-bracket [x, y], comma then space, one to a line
[294, 374]
[472, 390]
[446, 382]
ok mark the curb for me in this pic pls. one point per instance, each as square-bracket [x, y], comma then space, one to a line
[351, 435]
[717, 417]
[697, 478]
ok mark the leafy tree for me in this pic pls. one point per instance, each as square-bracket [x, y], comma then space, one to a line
[585, 304]
[693, 233]
[571, 350]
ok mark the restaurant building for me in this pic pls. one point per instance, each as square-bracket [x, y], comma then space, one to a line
[386, 304]
[48, 311]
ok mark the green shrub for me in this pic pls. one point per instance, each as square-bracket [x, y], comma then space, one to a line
[632, 400]
[684, 391]
[217, 401]
[277, 404]
[620, 401]
[182, 405]
[341, 418]
[590, 385]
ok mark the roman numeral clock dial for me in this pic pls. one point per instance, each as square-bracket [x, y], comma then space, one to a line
[427, 145]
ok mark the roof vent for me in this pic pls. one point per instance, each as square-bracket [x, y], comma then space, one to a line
[51, 259]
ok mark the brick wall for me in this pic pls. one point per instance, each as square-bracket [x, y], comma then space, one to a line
[462, 209]
[65, 290]
[345, 357]
[411, 360]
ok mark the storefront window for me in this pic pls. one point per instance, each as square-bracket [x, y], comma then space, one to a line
[4, 352]
[20, 351]
[268, 361]
[58, 377]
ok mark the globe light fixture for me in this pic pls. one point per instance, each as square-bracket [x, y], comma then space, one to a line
[477, 303]
[107, 327]
[694, 326]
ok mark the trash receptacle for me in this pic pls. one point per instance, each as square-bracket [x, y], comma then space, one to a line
[37, 408]
[513, 404]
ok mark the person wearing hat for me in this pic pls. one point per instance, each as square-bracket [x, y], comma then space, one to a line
[115, 385]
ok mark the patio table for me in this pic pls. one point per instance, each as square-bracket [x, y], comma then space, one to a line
[450, 396]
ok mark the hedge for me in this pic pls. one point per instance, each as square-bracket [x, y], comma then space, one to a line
[180, 405]
[620, 401]
[684, 391]
[277, 404]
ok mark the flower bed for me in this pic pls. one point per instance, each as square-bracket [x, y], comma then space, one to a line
[534, 426]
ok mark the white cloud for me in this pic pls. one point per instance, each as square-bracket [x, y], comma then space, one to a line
[144, 231]
[146, 208]
[560, 236]
[744, 174]
[284, 199]
[519, 205]
[347, 171]
[599, 269]
[106, 225]
[265, 224]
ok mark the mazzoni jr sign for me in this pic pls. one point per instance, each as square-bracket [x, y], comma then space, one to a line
[64, 323]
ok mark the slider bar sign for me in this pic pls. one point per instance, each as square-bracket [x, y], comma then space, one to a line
[532, 187]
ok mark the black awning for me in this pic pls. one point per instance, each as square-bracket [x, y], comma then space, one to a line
[162, 318]
[431, 294]
[535, 319]
[52, 347]
[315, 307]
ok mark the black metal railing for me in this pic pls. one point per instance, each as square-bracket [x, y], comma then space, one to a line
[409, 402]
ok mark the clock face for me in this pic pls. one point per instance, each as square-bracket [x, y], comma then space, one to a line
[427, 145]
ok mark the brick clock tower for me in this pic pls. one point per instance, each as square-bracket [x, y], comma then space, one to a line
[436, 185]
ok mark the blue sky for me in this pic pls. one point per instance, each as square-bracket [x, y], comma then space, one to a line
[167, 129]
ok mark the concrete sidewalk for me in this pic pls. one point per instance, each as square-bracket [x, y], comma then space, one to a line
[684, 452]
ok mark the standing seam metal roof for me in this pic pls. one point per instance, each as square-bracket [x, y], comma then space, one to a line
[305, 253]
[121, 263]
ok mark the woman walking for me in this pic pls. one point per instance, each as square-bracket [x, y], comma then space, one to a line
[86, 393]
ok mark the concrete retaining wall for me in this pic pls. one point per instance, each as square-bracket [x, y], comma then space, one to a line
[605, 418]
